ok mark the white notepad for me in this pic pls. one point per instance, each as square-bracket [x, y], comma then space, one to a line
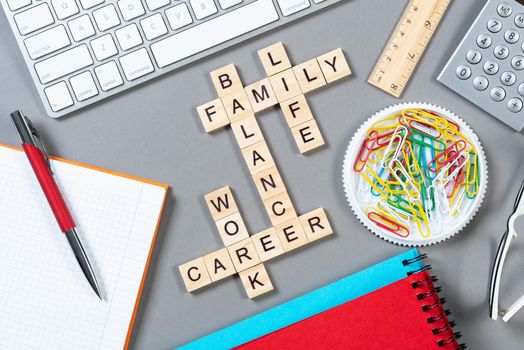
[45, 300]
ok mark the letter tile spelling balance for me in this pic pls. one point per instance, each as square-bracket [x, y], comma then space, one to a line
[236, 106]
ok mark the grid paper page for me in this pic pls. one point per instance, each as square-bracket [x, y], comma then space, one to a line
[45, 300]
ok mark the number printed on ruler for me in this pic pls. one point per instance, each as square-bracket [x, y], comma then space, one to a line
[407, 44]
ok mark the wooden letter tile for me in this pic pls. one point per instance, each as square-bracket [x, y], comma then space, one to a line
[269, 183]
[232, 229]
[334, 65]
[256, 281]
[221, 203]
[280, 208]
[258, 157]
[316, 224]
[309, 76]
[267, 244]
[296, 111]
[213, 115]
[291, 234]
[237, 105]
[307, 136]
[274, 58]
[219, 265]
[247, 132]
[243, 254]
[194, 274]
[261, 95]
[285, 85]
[226, 80]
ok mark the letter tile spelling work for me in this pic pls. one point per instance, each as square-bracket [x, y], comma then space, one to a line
[285, 85]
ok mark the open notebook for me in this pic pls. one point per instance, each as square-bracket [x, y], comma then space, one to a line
[45, 300]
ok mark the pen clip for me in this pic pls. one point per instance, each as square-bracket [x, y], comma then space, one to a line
[29, 135]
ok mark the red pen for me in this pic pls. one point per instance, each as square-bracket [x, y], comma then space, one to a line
[35, 152]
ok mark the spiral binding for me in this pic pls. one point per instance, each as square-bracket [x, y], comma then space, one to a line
[434, 305]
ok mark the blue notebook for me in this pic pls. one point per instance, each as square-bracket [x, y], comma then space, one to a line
[315, 302]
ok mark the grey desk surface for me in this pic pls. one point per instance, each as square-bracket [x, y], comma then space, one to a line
[153, 132]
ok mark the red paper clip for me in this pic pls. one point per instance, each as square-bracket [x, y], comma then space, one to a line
[395, 227]
[446, 157]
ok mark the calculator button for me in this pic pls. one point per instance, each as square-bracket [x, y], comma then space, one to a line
[491, 67]
[521, 89]
[474, 56]
[511, 36]
[519, 20]
[501, 52]
[508, 78]
[463, 72]
[515, 105]
[498, 94]
[480, 83]
[504, 9]
[484, 41]
[494, 25]
[517, 62]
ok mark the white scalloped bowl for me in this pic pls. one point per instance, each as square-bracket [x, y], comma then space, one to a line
[439, 231]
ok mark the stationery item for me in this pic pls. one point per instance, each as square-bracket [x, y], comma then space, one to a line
[407, 45]
[45, 301]
[415, 174]
[37, 155]
[396, 297]
[500, 258]
[487, 68]
[81, 52]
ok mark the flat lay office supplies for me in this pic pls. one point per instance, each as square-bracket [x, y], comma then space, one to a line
[415, 174]
[407, 45]
[37, 155]
[45, 301]
[500, 258]
[358, 286]
[487, 68]
[74, 65]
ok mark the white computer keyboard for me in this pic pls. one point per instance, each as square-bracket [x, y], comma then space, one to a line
[82, 51]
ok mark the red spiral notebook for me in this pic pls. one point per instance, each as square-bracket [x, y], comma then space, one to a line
[407, 314]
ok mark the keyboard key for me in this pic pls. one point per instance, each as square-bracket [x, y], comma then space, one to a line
[504, 10]
[474, 56]
[494, 25]
[521, 89]
[484, 41]
[498, 94]
[290, 7]
[131, 9]
[480, 83]
[17, 4]
[87, 4]
[33, 19]
[83, 86]
[501, 52]
[491, 67]
[153, 26]
[225, 4]
[519, 20]
[47, 42]
[511, 36]
[106, 18]
[156, 4]
[63, 64]
[213, 32]
[136, 64]
[508, 78]
[178, 16]
[81, 28]
[515, 105]
[463, 72]
[58, 96]
[64, 8]
[203, 8]
[128, 37]
[517, 62]
[104, 47]
[108, 76]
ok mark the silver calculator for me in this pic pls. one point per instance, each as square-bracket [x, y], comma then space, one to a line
[488, 66]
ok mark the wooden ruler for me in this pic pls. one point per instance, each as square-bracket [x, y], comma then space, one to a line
[407, 45]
